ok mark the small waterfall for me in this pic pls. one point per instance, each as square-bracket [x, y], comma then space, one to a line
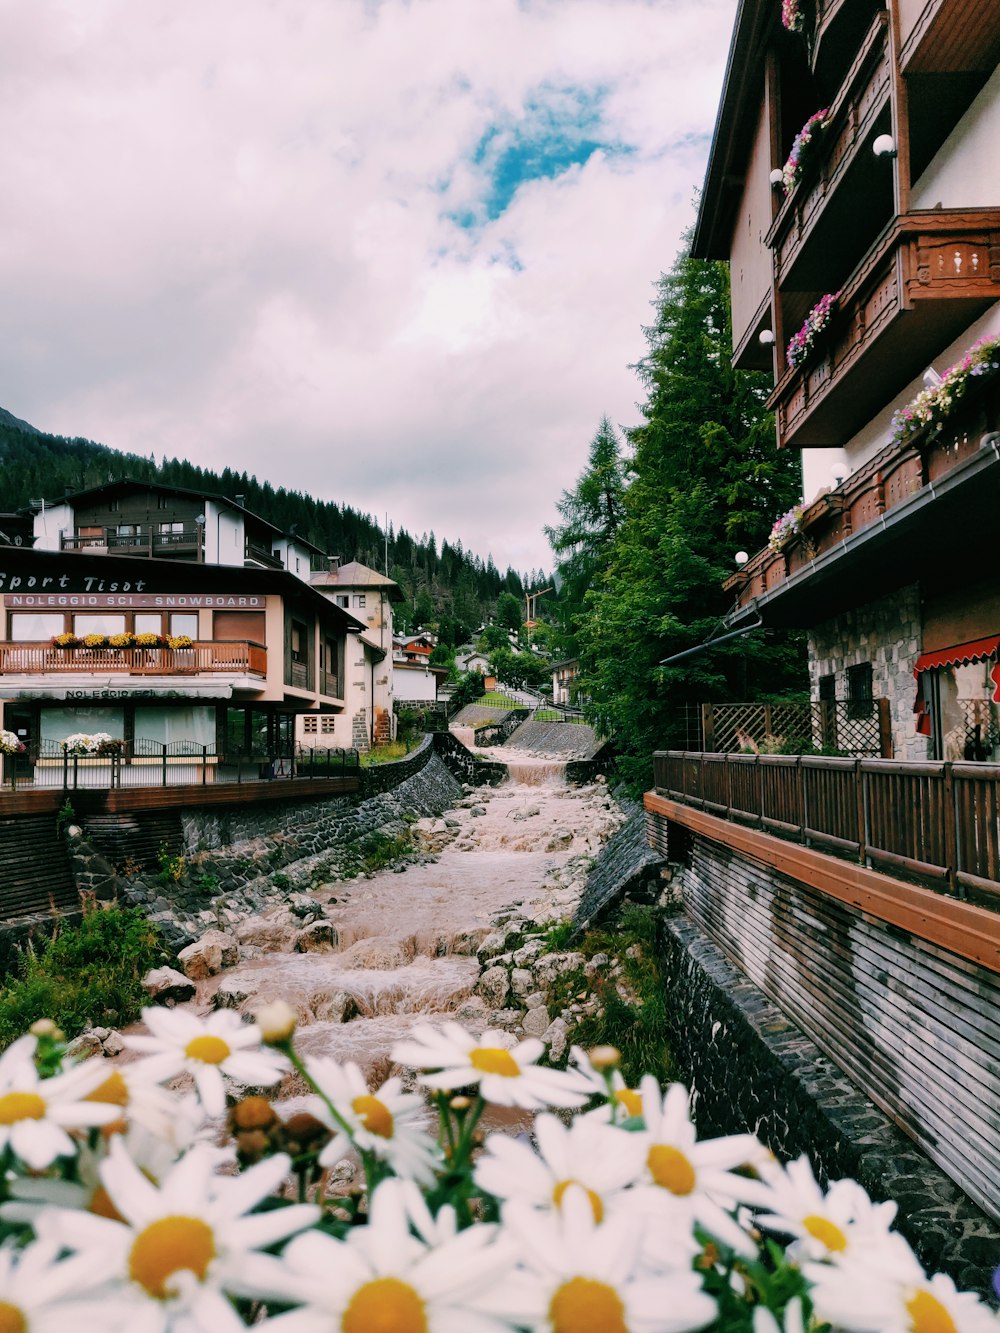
[531, 772]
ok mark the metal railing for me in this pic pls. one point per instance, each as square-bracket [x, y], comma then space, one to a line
[935, 823]
[180, 763]
[203, 656]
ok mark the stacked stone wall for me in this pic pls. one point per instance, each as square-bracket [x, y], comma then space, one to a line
[887, 633]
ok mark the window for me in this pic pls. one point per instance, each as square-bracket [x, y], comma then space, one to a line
[298, 642]
[327, 725]
[828, 687]
[34, 627]
[342, 599]
[184, 622]
[161, 502]
[859, 690]
[98, 624]
[359, 599]
[58, 723]
[310, 725]
[148, 622]
[182, 730]
[171, 529]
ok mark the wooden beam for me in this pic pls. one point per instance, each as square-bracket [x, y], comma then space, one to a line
[971, 932]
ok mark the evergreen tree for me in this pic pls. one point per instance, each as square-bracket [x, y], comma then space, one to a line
[706, 478]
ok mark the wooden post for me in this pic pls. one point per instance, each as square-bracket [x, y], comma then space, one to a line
[859, 799]
[885, 729]
[950, 830]
[708, 727]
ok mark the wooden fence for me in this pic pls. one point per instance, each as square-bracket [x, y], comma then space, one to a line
[935, 823]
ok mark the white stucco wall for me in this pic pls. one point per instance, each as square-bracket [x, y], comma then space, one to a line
[414, 684]
[965, 172]
[48, 525]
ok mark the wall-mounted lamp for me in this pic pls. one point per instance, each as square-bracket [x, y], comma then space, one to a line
[931, 378]
[741, 558]
[776, 177]
[838, 472]
[766, 337]
[884, 146]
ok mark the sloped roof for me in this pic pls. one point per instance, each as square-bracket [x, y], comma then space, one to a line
[356, 575]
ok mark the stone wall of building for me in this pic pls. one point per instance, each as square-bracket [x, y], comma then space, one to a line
[887, 633]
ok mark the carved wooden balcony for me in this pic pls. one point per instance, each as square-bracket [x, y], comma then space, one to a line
[820, 227]
[928, 277]
[202, 658]
[869, 495]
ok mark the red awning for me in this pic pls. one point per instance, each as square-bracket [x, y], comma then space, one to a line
[961, 654]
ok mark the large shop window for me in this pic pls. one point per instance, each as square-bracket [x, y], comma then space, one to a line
[958, 690]
[96, 624]
[35, 627]
[58, 723]
[182, 730]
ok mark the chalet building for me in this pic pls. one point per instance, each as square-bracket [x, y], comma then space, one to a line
[168, 658]
[854, 187]
[368, 717]
[564, 676]
[169, 523]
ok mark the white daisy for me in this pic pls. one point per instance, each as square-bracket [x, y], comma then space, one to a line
[505, 1077]
[43, 1294]
[625, 1103]
[576, 1276]
[841, 1224]
[208, 1049]
[182, 1245]
[388, 1122]
[692, 1178]
[383, 1277]
[143, 1103]
[602, 1160]
[897, 1297]
[35, 1112]
[764, 1320]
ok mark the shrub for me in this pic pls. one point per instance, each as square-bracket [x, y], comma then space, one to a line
[87, 972]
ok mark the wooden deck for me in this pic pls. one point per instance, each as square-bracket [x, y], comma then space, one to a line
[94, 800]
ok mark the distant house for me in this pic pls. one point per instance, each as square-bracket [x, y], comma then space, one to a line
[417, 682]
[169, 523]
[368, 717]
[564, 676]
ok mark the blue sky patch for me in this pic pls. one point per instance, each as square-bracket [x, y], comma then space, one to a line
[560, 128]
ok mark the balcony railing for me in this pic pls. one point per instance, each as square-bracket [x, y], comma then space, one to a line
[261, 555]
[889, 479]
[935, 823]
[820, 227]
[153, 764]
[163, 545]
[938, 269]
[36, 659]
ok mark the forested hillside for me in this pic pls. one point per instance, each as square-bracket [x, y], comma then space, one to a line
[440, 582]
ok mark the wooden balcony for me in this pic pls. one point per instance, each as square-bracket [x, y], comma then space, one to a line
[184, 545]
[202, 658]
[838, 27]
[820, 229]
[929, 276]
[260, 555]
[897, 476]
[935, 824]
[950, 37]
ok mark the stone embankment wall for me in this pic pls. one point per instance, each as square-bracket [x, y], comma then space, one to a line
[750, 1068]
[462, 762]
[626, 867]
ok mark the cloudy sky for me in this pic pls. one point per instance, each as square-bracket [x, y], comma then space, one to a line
[397, 253]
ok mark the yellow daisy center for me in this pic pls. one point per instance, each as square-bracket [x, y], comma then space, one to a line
[12, 1319]
[494, 1060]
[928, 1315]
[582, 1305]
[375, 1115]
[630, 1099]
[671, 1169]
[113, 1091]
[826, 1232]
[386, 1305]
[209, 1050]
[596, 1202]
[15, 1106]
[167, 1246]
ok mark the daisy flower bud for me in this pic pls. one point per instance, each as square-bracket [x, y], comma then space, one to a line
[605, 1057]
[43, 1027]
[277, 1021]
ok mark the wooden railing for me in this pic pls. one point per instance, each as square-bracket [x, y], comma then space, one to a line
[889, 479]
[935, 823]
[36, 659]
[145, 542]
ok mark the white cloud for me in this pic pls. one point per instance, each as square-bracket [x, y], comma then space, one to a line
[229, 234]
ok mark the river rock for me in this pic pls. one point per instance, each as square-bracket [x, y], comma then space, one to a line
[165, 985]
[234, 992]
[493, 944]
[494, 986]
[527, 954]
[273, 934]
[521, 981]
[555, 1037]
[335, 1007]
[208, 955]
[113, 1044]
[320, 937]
[536, 1021]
